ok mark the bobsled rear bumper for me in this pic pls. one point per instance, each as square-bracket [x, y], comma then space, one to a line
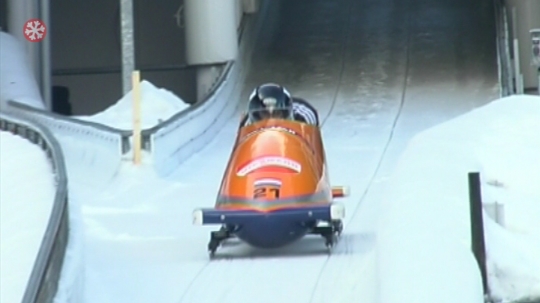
[327, 212]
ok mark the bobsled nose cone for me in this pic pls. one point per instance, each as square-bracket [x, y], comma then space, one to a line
[337, 211]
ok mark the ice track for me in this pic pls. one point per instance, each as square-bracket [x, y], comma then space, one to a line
[378, 71]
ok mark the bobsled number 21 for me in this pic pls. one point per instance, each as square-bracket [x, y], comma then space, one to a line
[276, 188]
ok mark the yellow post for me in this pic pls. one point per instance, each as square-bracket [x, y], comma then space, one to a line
[136, 90]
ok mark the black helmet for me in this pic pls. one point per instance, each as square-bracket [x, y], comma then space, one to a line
[270, 101]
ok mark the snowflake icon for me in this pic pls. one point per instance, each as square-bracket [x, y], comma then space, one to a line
[34, 30]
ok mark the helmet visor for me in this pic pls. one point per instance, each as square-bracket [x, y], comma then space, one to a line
[269, 113]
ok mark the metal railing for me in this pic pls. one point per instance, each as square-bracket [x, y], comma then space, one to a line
[84, 71]
[183, 116]
[71, 126]
[147, 133]
[43, 282]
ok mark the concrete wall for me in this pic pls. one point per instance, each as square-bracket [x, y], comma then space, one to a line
[17, 14]
[3, 15]
[86, 37]
[527, 17]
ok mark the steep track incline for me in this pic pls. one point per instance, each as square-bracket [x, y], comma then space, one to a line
[379, 72]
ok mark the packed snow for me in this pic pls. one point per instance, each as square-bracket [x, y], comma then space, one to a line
[423, 247]
[27, 186]
[425, 231]
[17, 81]
[157, 105]
[27, 191]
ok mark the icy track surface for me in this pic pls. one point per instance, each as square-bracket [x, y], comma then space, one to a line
[379, 72]
[27, 192]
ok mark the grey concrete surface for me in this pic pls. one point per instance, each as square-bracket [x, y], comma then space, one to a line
[87, 35]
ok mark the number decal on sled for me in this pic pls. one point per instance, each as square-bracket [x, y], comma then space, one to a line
[269, 193]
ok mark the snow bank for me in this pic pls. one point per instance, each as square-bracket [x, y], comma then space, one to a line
[27, 193]
[157, 105]
[424, 229]
[17, 81]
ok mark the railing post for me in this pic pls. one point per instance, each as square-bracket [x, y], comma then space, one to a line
[477, 227]
[136, 93]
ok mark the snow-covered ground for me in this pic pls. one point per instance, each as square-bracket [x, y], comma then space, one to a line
[157, 105]
[27, 193]
[425, 226]
[16, 79]
[27, 186]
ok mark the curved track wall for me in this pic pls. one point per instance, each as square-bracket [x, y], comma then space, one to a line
[95, 147]
[43, 282]
[176, 138]
[170, 143]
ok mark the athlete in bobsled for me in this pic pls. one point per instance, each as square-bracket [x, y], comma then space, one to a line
[274, 101]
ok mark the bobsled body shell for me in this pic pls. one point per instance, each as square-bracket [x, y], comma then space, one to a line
[271, 229]
[275, 164]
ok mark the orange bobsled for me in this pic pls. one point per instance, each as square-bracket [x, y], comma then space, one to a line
[276, 188]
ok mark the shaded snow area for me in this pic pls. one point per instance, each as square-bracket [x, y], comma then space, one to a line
[424, 238]
[157, 105]
[17, 81]
[27, 193]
